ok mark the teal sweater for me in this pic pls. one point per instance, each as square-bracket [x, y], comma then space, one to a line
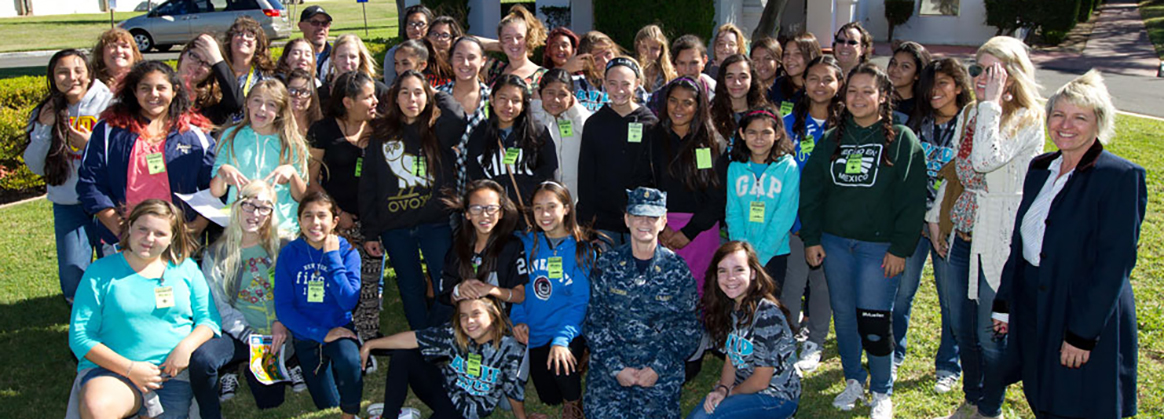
[778, 188]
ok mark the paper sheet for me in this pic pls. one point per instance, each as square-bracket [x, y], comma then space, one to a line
[209, 206]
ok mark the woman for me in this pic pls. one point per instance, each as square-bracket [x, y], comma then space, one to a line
[149, 144]
[139, 315]
[249, 56]
[239, 268]
[737, 89]
[520, 33]
[413, 25]
[114, 55]
[944, 90]
[58, 130]
[305, 104]
[411, 162]
[852, 45]
[653, 51]
[867, 159]
[1003, 132]
[766, 55]
[1064, 341]
[207, 76]
[789, 88]
[742, 314]
[317, 286]
[729, 40]
[297, 54]
[564, 117]
[905, 68]
[561, 45]
[337, 143]
[472, 94]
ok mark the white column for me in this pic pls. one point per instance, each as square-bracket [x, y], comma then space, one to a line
[581, 16]
[728, 11]
[819, 21]
[483, 17]
[845, 12]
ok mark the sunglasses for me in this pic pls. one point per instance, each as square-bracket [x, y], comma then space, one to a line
[442, 36]
[320, 23]
[851, 42]
[975, 70]
[299, 93]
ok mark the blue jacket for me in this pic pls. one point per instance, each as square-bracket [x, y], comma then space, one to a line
[811, 129]
[101, 181]
[299, 263]
[554, 308]
[779, 189]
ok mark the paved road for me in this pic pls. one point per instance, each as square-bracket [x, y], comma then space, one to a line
[38, 60]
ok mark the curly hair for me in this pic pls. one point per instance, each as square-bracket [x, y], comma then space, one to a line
[262, 56]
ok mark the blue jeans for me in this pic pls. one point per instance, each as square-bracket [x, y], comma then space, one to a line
[946, 361]
[174, 395]
[73, 229]
[332, 373]
[982, 354]
[857, 282]
[403, 247]
[746, 406]
[212, 356]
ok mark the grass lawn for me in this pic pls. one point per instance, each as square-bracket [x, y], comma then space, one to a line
[1152, 11]
[81, 30]
[38, 371]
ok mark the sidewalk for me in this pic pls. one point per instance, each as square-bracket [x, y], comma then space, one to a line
[1118, 44]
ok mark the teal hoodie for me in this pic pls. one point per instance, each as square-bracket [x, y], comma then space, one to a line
[776, 194]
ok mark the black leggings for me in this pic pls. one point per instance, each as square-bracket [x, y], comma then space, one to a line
[553, 389]
[408, 368]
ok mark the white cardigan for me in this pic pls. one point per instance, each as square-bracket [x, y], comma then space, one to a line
[1004, 156]
[568, 148]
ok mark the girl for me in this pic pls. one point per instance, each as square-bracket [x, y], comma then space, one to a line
[550, 319]
[686, 159]
[865, 159]
[729, 40]
[763, 189]
[441, 34]
[1003, 133]
[852, 45]
[297, 54]
[512, 148]
[58, 130]
[114, 55]
[737, 89]
[653, 51]
[561, 45]
[484, 360]
[265, 145]
[742, 314]
[815, 112]
[789, 88]
[138, 316]
[239, 267]
[944, 91]
[595, 51]
[207, 76]
[349, 54]
[520, 33]
[337, 143]
[304, 99]
[472, 94]
[487, 259]
[248, 58]
[766, 55]
[413, 25]
[317, 286]
[565, 118]
[905, 67]
[611, 145]
[411, 161]
[149, 144]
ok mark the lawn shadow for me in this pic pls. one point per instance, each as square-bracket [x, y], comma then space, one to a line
[38, 368]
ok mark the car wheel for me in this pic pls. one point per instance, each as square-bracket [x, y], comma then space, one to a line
[163, 48]
[143, 40]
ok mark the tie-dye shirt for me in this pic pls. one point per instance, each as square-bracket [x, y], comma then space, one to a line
[478, 377]
[766, 342]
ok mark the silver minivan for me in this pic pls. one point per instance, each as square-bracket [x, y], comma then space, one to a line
[176, 22]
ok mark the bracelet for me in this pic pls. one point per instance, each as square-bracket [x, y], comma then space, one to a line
[130, 369]
[508, 295]
[726, 391]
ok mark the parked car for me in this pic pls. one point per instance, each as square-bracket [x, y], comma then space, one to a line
[176, 22]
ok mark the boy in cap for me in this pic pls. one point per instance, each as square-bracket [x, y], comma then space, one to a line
[641, 323]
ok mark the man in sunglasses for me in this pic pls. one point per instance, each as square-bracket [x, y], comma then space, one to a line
[315, 24]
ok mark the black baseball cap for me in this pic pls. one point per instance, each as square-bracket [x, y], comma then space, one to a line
[311, 11]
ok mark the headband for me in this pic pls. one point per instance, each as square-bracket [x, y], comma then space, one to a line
[687, 81]
[626, 62]
[760, 112]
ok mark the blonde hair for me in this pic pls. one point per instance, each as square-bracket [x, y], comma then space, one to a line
[591, 41]
[535, 30]
[663, 65]
[741, 40]
[367, 64]
[1089, 91]
[227, 250]
[181, 244]
[1025, 91]
[292, 146]
[499, 328]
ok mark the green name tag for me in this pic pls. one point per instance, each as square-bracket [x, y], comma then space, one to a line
[315, 291]
[511, 155]
[156, 163]
[634, 132]
[419, 167]
[359, 165]
[756, 213]
[785, 108]
[566, 128]
[807, 145]
[473, 365]
[555, 268]
[703, 158]
[853, 164]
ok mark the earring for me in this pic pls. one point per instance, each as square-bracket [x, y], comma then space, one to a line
[1007, 97]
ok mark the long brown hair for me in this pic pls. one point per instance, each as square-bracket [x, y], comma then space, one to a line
[392, 124]
[500, 322]
[207, 92]
[58, 164]
[722, 115]
[717, 307]
[583, 251]
[181, 244]
[465, 238]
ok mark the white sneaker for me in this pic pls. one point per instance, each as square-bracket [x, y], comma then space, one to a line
[965, 411]
[409, 413]
[945, 383]
[297, 383]
[854, 392]
[809, 357]
[802, 334]
[229, 386]
[882, 406]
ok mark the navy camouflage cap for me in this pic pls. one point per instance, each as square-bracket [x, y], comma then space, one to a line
[646, 202]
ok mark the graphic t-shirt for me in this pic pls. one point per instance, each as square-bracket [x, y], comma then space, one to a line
[766, 342]
[478, 377]
[255, 299]
[937, 141]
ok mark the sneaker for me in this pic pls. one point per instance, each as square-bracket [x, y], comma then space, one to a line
[802, 334]
[409, 413]
[229, 387]
[809, 357]
[297, 383]
[965, 411]
[893, 371]
[371, 366]
[946, 382]
[882, 406]
[854, 391]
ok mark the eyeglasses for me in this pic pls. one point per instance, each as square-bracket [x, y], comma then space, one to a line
[249, 36]
[195, 58]
[416, 25]
[851, 42]
[975, 70]
[320, 23]
[442, 36]
[255, 209]
[298, 92]
[484, 209]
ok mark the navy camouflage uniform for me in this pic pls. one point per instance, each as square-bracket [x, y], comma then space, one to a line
[639, 320]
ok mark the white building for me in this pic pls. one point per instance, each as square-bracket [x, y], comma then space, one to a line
[13, 8]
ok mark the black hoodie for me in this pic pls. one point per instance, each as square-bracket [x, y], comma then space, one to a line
[707, 204]
[606, 164]
[528, 174]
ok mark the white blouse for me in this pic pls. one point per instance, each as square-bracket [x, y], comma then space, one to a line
[1035, 221]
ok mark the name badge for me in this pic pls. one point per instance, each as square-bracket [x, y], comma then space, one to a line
[156, 163]
[315, 291]
[555, 268]
[785, 108]
[566, 128]
[703, 158]
[359, 165]
[473, 365]
[511, 155]
[634, 132]
[419, 167]
[164, 297]
[756, 213]
[807, 145]
[853, 164]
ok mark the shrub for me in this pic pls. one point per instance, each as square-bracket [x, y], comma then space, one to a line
[17, 98]
[897, 12]
[457, 9]
[1057, 15]
[622, 19]
[1006, 15]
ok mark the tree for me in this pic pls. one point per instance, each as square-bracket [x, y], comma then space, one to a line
[769, 26]
[897, 12]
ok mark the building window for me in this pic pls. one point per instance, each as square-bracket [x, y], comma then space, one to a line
[939, 7]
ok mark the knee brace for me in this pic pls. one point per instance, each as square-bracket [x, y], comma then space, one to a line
[876, 330]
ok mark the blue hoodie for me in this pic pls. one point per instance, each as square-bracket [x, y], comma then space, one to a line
[554, 308]
[339, 270]
[778, 188]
